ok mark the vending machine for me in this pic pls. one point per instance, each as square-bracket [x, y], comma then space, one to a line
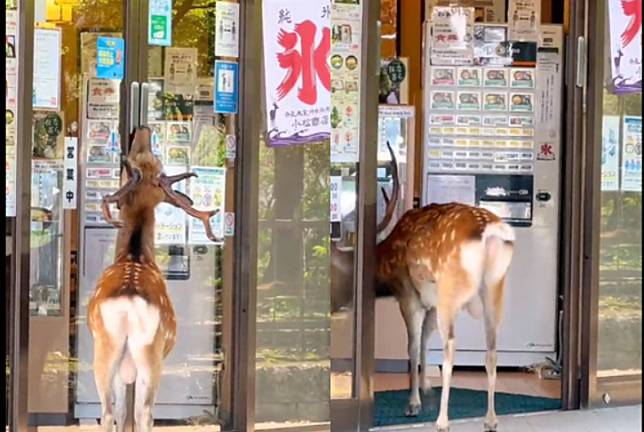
[492, 139]
[192, 264]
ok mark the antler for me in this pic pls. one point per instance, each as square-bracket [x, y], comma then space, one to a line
[134, 177]
[391, 203]
[184, 202]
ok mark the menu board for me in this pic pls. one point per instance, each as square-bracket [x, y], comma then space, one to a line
[481, 120]
[346, 21]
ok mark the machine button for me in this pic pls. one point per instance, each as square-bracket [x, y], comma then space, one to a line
[543, 196]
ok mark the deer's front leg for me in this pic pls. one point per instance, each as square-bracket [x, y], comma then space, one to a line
[414, 315]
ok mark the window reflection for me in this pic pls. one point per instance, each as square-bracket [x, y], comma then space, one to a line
[620, 267]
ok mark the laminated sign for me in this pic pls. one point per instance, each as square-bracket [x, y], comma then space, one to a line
[297, 45]
[452, 36]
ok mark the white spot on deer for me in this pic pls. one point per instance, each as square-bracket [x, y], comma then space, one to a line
[452, 235]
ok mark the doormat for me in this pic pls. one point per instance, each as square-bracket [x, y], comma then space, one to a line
[463, 403]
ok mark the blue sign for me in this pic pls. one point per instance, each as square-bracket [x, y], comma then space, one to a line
[226, 87]
[110, 58]
[160, 23]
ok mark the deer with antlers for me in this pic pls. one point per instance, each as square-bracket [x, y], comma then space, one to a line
[436, 261]
[130, 315]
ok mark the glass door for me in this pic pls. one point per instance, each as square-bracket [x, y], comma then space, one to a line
[614, 311]
[99, 68]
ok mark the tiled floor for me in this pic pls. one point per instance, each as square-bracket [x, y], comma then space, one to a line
[621, 419]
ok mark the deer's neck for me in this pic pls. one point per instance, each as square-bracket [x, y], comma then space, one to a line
[136, 238]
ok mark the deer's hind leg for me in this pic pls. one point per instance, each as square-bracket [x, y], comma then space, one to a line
[429, 325]
[492, 299]
[414, 315]
[107, 353]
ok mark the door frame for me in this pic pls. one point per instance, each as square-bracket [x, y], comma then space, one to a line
[625, 389]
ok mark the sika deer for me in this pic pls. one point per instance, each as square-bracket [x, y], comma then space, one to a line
[130, 315]
[436, 261]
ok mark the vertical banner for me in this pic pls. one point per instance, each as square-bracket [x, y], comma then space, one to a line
[297, 45]
[524, 20]
[346, 46]
[335, 188]
[632, 154]
[452, 36]
[70, 179]
[11, 118]
[610, 154]
[160, 23]
[226, 29]
[625, 26]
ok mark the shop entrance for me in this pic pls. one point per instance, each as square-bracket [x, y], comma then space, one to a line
[100, 69]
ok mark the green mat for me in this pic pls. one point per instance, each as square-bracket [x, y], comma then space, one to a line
[463, 403]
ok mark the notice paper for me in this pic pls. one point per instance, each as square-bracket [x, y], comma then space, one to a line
[442, 189]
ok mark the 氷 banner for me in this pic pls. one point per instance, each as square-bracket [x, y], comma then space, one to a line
[297, 45]
[625, 24]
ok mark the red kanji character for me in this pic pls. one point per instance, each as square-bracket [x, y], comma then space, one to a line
[309, 63]
[632, 9]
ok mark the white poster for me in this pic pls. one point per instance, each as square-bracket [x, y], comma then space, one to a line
[208, 192]
[610, 154]
[625, 25]
[632, 154]
[452, 36]
[297, 45]
[524, 20]
[47, 69]
[346, 37]
[226, 29]
[442, 189]
[180, 71]
[170, 227]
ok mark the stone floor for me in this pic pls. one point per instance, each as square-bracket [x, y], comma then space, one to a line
[620, 419]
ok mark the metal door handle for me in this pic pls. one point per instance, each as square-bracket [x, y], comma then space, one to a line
[134, 106]
[143, 109]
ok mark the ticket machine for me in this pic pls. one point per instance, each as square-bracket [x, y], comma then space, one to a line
[493, 140]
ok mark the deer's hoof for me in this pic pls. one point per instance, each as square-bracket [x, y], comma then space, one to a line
[445, 429]
[412, 410]
[489, 427]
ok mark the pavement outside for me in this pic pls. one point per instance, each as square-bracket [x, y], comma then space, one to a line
[620, 419]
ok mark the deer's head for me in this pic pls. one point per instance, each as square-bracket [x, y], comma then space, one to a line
[342, 258]
[146, 186]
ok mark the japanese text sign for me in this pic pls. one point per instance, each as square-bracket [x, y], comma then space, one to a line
[297, 45]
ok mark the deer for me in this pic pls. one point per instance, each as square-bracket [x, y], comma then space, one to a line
[436, 261]
[130, 316]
